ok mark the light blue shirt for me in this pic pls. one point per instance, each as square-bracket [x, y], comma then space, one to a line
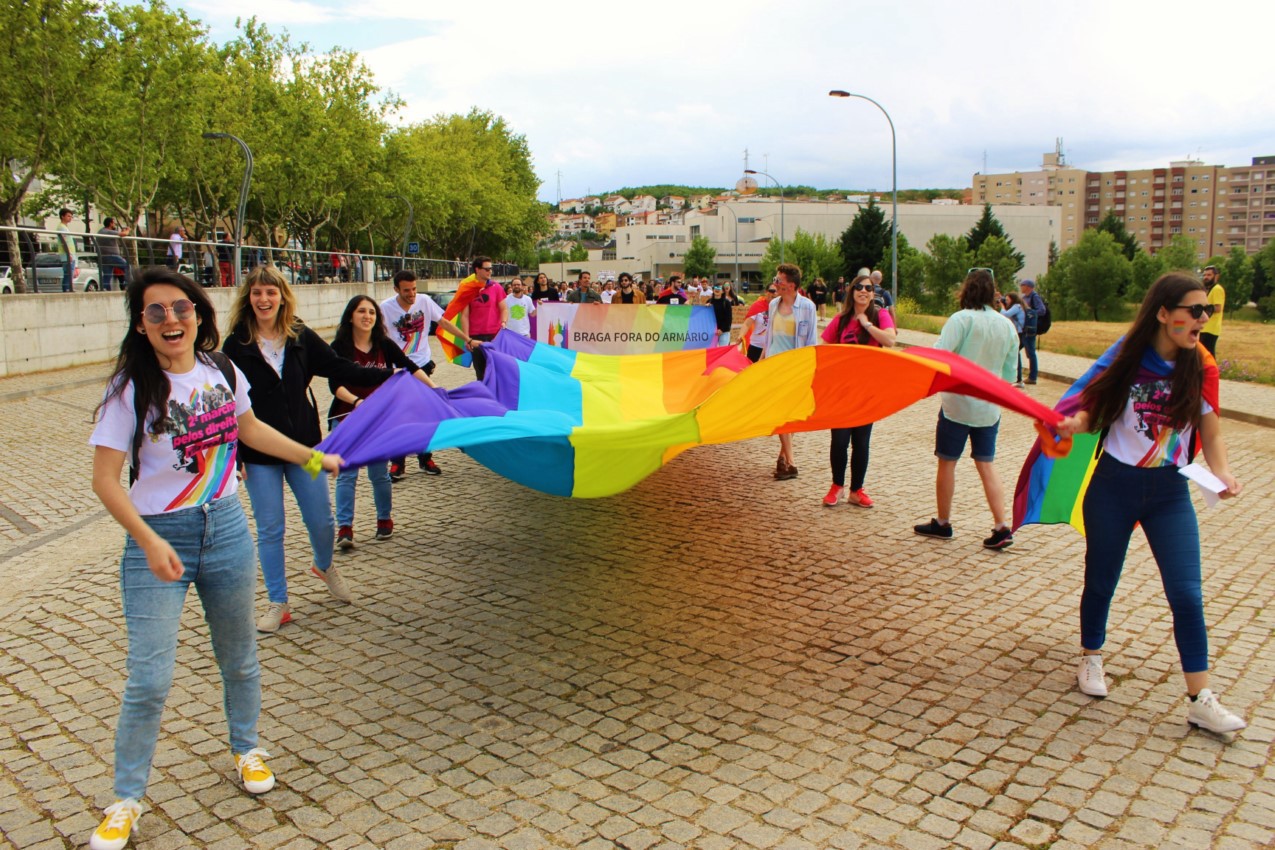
[1016, 315]
[989, 339]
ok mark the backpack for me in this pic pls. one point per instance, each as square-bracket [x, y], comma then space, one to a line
[221, 361]
[1043, 319]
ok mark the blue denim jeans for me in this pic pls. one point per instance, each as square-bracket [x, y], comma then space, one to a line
[382, 494]
[68, 274]
[265, 491]
[215, 547]
[1029, 345]
[1120, 496]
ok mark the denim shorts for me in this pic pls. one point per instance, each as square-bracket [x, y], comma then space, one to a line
[950, 438]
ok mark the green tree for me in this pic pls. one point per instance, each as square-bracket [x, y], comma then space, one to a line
[989, 226]
[911, 270]
[1053, 255]
[1114, 224]
[1179, 255]
[50, 49]
[865, 241]
[578, 253]
[1237, 277]
[998, 255]
[1144, 271]
[700, 259]
[1089, 276]
[947, 261]
[814, 255]
[1264, 271]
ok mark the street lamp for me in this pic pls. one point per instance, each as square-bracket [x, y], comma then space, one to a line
[243, 200]
[736, 215]
[894, 192]
[781, 207]
[407, 227]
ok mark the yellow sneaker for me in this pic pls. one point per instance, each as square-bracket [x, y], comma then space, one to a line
[257, 778]
[113, 832]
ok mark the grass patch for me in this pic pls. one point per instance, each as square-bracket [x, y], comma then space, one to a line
[1246, 348]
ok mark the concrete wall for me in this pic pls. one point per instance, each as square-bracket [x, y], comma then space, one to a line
[39, 333]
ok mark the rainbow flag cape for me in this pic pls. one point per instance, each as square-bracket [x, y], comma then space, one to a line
[1052, 490]
[452, 347]
[589, 425]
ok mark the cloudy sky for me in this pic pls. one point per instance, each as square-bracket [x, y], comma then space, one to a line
[652, 91]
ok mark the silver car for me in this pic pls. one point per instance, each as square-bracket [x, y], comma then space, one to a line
[47, 273]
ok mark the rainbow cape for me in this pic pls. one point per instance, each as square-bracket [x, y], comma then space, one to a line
[453, 349]
[1052, 490]
[589, 425]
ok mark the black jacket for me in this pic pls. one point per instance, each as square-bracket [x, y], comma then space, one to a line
[285, 403]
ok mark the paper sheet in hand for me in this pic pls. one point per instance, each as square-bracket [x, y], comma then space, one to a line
[1210, 485]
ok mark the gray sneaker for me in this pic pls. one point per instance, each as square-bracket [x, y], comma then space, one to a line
[277, 613]
[1207, 713]
[336, 585]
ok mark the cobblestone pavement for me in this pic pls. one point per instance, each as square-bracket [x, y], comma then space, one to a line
[710, 660]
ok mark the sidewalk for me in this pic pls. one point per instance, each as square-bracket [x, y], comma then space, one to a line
[1252, 403]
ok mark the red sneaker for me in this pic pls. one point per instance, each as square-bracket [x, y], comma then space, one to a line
[834, 496]
[384, 529]
[860, 498]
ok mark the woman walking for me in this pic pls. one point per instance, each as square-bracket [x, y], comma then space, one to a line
[175, 409]
[860, 322]
[280, 356]
[361, 338]
[1154, 403]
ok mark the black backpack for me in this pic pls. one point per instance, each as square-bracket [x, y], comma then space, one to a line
[1043, 319]
[221, 361]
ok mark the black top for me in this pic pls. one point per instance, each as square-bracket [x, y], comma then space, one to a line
[284, 403]
[722, 312]
[386, 354]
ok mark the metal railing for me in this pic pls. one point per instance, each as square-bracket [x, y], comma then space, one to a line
[102, 263]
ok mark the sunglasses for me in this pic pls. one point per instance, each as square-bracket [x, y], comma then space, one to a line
[155, 314]
[992, 272]
[1197, 310]
[862, 287]
[773, 291]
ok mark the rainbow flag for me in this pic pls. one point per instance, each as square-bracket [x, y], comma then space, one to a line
[588, 425]
[1052, 490]
[453, 349]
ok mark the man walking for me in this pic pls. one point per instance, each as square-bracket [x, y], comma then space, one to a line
[1217, 297]
[979, 333]
[1033, 308]
[486, 313]
[407, 317]
[791, 323]
[584, 292]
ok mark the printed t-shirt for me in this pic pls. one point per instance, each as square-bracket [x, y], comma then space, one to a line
[783, 333]
[193, 462]
[409, 329]
[850, 334]
[484, 310]
[519, 314]
[760, 322]
[1142, 436]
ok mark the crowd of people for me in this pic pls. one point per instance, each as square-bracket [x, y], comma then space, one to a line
[179, 404]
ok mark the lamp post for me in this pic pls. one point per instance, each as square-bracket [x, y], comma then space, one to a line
[781, 207]
[407, 228]
[243, 200]
[894, 191]
[736, 215]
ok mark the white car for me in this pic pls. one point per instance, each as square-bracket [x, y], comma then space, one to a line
[47, 273]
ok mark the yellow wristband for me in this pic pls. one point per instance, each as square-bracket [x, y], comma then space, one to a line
[314, 465]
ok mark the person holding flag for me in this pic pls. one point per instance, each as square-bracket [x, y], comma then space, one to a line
[1153, 397]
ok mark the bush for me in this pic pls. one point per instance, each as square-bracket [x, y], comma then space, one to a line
[906, 306]
[1266, 307]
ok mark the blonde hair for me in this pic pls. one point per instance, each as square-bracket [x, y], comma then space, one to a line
[286, 321]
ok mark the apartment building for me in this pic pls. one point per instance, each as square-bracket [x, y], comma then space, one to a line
[1215, 206]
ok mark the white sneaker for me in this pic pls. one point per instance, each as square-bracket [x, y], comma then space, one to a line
[117, 825]
[277, 613]
[336, 584]
[1089, 676]
[1207, 713]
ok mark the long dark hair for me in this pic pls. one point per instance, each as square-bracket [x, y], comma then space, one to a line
[137, 362]
[1107, 395]
[343, 342]
[847, 312]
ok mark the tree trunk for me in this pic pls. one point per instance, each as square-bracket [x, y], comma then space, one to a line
[15, 253]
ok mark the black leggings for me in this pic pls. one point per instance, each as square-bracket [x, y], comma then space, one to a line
[843, 439]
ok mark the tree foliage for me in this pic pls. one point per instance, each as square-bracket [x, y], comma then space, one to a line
[1114, 224]
[865, 241]
[1088, 278]
[947, 261]
[814, 255]
[1178, 255]
[1237, 270]
[911, 270]
[998, 255]
[700, 259]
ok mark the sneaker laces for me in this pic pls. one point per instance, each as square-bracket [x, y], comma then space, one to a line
[251, 761]
[121, 814]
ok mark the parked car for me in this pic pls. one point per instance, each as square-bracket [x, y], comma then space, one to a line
[47, 273]
[6, 281]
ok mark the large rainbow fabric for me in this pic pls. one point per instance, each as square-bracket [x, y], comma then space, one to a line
[1052, 490]
[590, 425]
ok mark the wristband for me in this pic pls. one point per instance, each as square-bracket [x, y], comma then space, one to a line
[314, 465]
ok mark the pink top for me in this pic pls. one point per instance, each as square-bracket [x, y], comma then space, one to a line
[850, 335]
